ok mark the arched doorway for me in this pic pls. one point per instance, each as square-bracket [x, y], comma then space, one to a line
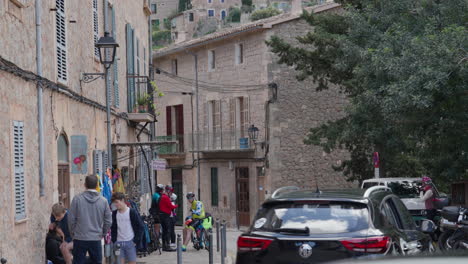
[63, 170]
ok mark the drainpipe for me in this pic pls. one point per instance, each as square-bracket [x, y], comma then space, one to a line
[108, 96]
[40, 121]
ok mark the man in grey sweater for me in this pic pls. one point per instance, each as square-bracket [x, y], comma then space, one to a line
[89, 220]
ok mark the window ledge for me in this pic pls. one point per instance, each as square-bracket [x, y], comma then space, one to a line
[22, 221]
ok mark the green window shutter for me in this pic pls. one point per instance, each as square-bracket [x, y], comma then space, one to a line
[116, 68]
[214, 186]
[130, 68]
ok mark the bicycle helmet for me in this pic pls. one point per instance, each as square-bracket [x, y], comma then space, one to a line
[169, 188]
[190, 195]
[426, 180]
[159, 188]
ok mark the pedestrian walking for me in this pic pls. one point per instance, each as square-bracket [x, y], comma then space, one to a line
[165, 208]
[127, 229]
[89, 220]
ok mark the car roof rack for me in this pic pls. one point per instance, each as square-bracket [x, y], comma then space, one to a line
[278, 191]
[375, 188]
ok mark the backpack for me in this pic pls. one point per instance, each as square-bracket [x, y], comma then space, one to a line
[154, 210]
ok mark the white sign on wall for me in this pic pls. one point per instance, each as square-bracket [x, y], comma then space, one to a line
[158, 164]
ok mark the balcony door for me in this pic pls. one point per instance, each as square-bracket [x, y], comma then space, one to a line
[175, 126]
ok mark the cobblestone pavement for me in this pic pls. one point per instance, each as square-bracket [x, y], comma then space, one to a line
[194, 256]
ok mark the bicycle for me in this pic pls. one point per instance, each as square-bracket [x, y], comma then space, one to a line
[200, 234]
[155, 241]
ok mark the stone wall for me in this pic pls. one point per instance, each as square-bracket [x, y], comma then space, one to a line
[299, 108]
[24, 242]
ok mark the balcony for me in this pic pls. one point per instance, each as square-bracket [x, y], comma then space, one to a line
[171, 151]
[227, 141]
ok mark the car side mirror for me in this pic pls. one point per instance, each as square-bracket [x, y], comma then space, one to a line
[427, 226]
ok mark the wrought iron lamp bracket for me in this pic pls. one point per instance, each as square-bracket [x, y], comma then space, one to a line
[91, 77]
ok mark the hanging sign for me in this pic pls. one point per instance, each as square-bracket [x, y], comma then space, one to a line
[158, 164]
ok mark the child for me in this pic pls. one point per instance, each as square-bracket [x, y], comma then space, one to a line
[127, 229]
[53, 241]
[60, 218]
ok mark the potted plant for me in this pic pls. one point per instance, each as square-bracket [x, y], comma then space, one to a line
[143, 101]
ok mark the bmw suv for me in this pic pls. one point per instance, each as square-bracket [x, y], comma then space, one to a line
[312, 227]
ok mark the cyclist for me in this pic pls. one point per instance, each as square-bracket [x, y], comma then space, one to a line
[428, 196]
[154, 210]
[198, 213]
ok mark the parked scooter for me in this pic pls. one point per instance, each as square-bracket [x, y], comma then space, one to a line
[454, 224]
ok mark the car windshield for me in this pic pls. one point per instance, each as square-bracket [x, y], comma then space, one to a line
[406, 189]
[319, 218]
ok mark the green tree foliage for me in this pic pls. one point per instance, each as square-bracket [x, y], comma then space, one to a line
[264, 13]
[246, 2]
[184, 5]
[404, 68]
[234, 15]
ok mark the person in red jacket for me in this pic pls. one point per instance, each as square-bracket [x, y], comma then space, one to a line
[165, 209]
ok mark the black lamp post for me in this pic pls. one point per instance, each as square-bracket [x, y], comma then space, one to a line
[107, 46]
[253, 133]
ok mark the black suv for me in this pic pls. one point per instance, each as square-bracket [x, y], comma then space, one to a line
[311, 227]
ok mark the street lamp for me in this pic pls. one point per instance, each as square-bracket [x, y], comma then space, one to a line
[107, 45]
[253, 133]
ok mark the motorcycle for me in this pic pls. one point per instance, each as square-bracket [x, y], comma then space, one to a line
[454, 224]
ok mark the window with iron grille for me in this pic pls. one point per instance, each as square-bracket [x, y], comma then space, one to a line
[61, 41]
[95, 26]
[214, 187]
[18, 155]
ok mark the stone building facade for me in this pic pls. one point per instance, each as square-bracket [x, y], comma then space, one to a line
[74, 111]
[162, 9]
[240, 85]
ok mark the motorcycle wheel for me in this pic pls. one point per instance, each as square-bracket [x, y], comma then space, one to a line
[442, 242]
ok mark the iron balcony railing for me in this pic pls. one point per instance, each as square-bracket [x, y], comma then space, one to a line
[221, 140]
[171, 148]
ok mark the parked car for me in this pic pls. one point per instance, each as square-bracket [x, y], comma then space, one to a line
[312, 227]
[408, 189]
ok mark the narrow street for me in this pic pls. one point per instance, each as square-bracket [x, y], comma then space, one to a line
[194, 256]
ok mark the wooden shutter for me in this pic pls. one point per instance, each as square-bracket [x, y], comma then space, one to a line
[18, 147]
[105, 161]
[144, 173]
[98, 162]
[169, 120]
[115, 67]
[95, 26]
[245, 117]
[232, 122]
[61, 40]
[130, 68]
[214, 187]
